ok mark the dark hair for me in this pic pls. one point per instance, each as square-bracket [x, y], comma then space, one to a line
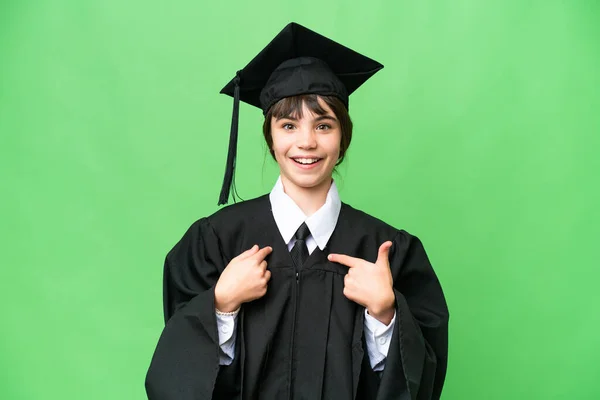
[292, 106]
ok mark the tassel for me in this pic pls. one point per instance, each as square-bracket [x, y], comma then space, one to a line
[233, 138]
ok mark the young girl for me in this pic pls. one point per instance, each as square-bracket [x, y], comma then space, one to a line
[296, 295]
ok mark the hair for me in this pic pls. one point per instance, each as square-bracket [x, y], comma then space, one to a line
[292, 107]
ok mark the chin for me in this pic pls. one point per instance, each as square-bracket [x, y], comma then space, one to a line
[307, 182]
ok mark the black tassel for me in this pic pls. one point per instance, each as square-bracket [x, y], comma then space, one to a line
[233, 138]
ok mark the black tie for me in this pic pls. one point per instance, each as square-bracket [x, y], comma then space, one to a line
[299, 252]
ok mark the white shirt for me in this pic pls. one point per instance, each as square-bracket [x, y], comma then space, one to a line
[288, 217]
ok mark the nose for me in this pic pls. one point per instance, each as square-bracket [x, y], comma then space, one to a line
[306, 139]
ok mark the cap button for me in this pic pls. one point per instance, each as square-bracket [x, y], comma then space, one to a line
[238, 78]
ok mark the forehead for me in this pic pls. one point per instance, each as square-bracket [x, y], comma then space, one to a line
[302, 107]
[311, 112]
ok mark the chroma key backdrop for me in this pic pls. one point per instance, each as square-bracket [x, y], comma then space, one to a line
[481, 136]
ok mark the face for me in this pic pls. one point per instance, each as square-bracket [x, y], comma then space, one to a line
[307, 149]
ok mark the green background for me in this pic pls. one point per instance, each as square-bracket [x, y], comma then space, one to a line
[480, 136]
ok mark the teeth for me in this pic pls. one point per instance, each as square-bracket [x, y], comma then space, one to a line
[306, 160]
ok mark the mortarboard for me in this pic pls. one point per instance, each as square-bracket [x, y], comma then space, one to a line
[297, 61]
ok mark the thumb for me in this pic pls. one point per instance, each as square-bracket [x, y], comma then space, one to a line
[383, 257]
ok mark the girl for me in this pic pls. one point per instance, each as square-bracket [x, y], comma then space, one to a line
[296, 295]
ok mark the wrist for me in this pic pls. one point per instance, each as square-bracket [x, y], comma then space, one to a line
[385, 316]
[225, 303]
[383, 311]
[227, 314]
[225, 307]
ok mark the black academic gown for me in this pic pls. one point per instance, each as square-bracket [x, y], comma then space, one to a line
[304, 339]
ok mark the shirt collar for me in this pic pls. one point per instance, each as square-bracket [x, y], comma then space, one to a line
[288, 216]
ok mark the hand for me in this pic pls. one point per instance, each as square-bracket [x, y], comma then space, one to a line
[244, 279]
[370, 284]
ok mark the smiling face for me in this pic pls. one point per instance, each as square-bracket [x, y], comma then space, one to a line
[306, 144]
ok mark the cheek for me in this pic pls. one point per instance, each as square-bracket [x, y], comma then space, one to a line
[333, 145]
[280, 145]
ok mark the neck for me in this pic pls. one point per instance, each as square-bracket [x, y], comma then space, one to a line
[308, 199]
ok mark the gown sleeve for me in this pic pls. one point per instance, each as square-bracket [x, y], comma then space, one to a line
[417, 358]
[185, 364]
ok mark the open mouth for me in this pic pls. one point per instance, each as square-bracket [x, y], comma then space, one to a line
[306, 161]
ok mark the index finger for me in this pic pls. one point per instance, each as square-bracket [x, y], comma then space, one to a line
[246, 253]
[351, 262]
[263, 253]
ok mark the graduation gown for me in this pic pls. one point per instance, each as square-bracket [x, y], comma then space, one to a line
[304, 338]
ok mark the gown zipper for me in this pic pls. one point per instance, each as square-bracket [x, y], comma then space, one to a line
[295, 299]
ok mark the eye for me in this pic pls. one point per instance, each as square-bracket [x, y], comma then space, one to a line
[324, 127]
[287, 127]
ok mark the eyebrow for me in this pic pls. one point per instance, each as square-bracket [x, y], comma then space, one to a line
[318, 119]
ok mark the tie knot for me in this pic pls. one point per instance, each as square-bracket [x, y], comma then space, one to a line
[302, 232]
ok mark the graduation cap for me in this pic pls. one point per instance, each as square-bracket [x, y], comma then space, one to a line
[297, 61]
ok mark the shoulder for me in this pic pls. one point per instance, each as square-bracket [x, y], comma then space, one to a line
[366, 221]
[230, 220]
[224, 226]
[373, 226]
[240, 213]
[368, 233]
[231, 215]
[237, 213]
